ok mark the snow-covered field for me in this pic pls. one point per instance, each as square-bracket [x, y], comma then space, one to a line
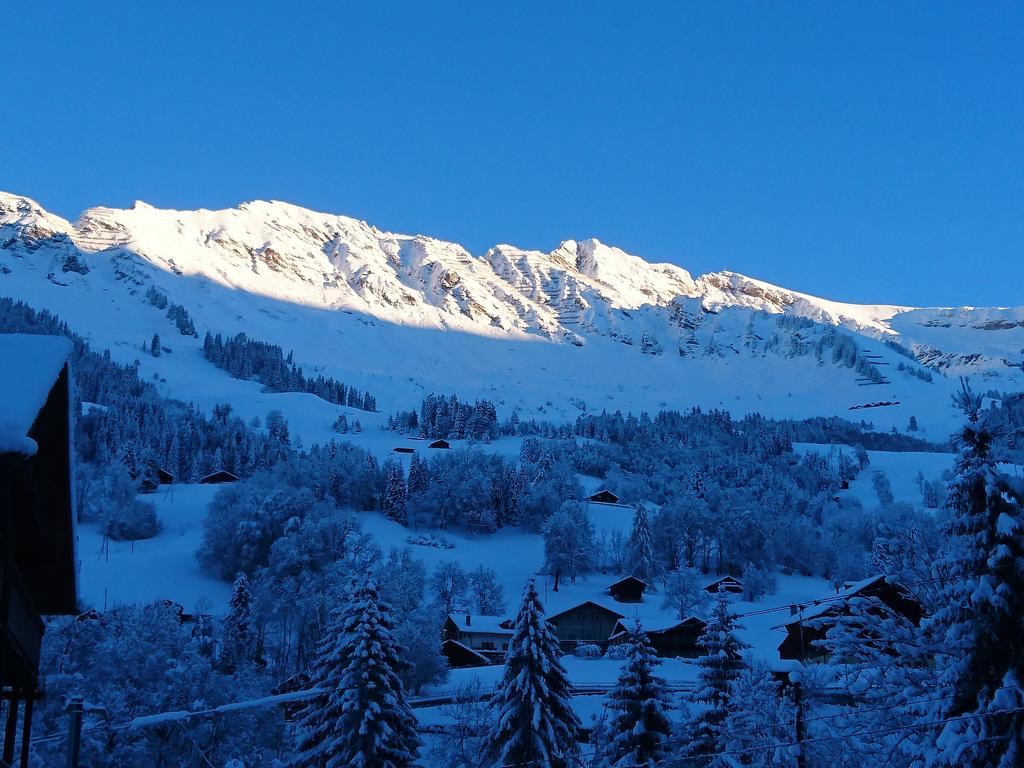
[121, 572]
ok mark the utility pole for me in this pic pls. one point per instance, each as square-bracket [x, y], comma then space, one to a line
[74, 708]
[801, 759]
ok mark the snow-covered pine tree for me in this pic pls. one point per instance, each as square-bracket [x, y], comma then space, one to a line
[760, 719]
[638, 731]
[238, 644]
[533, 723]
[419, 477]
[720, 664]
[981, 617]
[395, 494]
[641, 560]
[154, 346]
[363, 719]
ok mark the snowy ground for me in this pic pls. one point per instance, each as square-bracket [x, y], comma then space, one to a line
[164, 567]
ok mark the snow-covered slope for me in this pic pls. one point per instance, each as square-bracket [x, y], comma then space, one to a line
[545, 332]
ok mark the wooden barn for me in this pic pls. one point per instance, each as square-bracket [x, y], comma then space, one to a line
[628, 590]
[460, 656]
[37, 558]
[813, 623]
[604, 496]
[403, 449]
[728, 584]
[589, 622]
[478, 633]
[443, 444]
[220, 476]
[671, 639]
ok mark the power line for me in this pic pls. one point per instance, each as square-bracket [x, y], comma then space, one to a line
[785, 745]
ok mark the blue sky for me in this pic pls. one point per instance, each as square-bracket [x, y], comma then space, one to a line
[860, 151]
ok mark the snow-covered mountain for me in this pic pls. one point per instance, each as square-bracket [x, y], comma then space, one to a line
[401, 314]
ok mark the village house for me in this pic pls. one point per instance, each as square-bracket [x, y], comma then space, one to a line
[628, 590]
[812, 624]
[588, 622]
[461, 656]
[603, 496]
[673, 638]
[37, 558]
[725, 584]
[220, 476]
[479, 633]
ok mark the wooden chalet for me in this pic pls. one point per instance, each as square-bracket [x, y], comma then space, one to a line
[673, 639]
[588, 622]
[460, 656]
[37, 539]
[604, 496]
[154, 479]
[728, 584]
[628, 590]
[220, 476]
[443, 444]
[812, 624]
[479, 633]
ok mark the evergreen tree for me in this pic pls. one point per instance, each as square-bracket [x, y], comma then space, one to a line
[981, 617]
[640, 558]
[639, 730]
[720, 665]
[363, 719]
[533, 722]
[154, 346]
[419, 478]
[395, 494]
[759, 720]
[239, 641]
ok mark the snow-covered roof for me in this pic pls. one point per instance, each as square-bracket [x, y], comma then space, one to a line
[491, 625]
[593, 603]
[29, 367]
[826, 604]
[654, 625]
[625, 579]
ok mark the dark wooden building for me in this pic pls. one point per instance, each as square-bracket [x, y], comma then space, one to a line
[460, 656]
[403, 449]
[813, 623]
[440, 444]
[588, 622]
[675, 639]
[725, 584]
[628, 590]
[604, 496]
[220, 476]
[37, 558]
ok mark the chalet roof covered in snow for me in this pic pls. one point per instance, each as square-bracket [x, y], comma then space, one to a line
[856, 589]
[29, 367]
[493, 625]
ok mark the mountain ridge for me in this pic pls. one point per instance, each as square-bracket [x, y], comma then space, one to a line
[329, 285]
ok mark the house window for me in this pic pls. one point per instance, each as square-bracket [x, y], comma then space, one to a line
[487, 645]
[504, 646]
